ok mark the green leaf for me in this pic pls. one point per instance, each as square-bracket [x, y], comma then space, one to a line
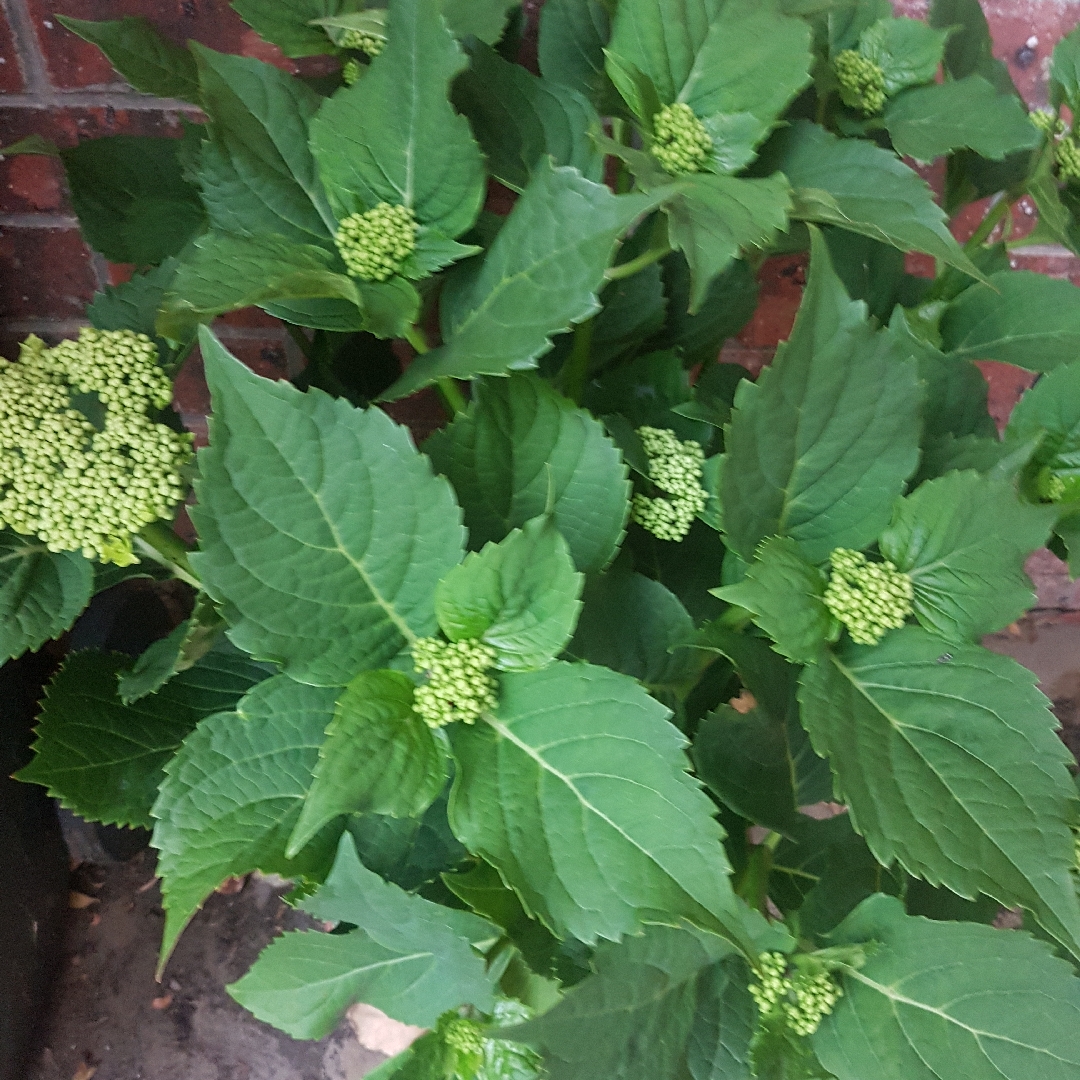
[306, 479]
[520, 444]
[948, 759]
[634, 625]
[540, 276]
[482, 19]
[288, 25]
[668, 1005]
[150, 63]
[519, 596]
[1065, 70]
[753, 61]
[1049, 413]
[956, 395]
[379, 757]
[223, 273]
[132, 201]
[661, 38]
[257, 173]
[104, 759]
[949, 1000]
[963, 539]
[134, 304]
[403, 958]
[1019, 317]
[393, 137]
[785, 593]
[970, 48]
[519, 118]
[929, 121]
[819, 447]
[598, 827]
[233, 793]
[573, 34]
[42, 592]
[845, 20]
[718, 216]
[874, 272]
[907, 51]
[862, 188]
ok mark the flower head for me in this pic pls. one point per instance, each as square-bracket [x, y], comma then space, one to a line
[375, 243]
[351, 71]
[363, 42]
[1067, 153]
[680, 142]
[459, 686]
[868, 598]
[862, 82]
[675, 467]
[1049, 123]
[800, 1001]
[77, 485]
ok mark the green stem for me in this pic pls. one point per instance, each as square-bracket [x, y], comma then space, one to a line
[576, 372]
[169, 550]
[646, 258]
[452, 397]
[994, 216]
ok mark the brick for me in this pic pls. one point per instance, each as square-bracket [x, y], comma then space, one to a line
[422, 414]
[1051, 578]
[44, 273]
[1006, 383]
[11, 76]
[782, 279]
[33, 182]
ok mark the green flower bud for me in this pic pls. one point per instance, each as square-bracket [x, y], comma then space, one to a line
[362, 42]
[798, 1001]
[351, 71]
[1049, 123]
[862, 82]
[459, 686]
[461, 1034]
[375, 243]
[1067, 153]
[868, 598]
[676, 468]
[680, 142]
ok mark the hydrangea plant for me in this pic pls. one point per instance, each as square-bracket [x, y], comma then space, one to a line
[637, 723]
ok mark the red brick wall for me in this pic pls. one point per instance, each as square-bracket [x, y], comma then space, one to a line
[54, 84]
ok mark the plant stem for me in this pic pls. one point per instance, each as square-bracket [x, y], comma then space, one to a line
[452, 397]
[168, 549]
[646, 258]
[576, 371]
[994, 216]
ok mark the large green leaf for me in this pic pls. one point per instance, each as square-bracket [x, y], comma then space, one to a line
[393, 137]
[257, 173]
[908, 51]
[929, 121]
[963, 539]
[575, 790]
[1065, 70]
[1050, 413]
[289, 25]
[42, 592]
[379, 757]
[231, 797]
[865, 189]
[949, 1001]
[104, 759]
[672, 1004]
[519, 118]
[819, 447]
[519, 596]
[520, 444]
[1020, 318]
[948, 760]
[407, 956]
[540, 276]
[150, 63]
[573, 34]
[292, 480]
[482, 19]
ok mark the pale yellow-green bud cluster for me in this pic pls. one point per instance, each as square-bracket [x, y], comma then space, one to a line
[351, 71]
[675, 467]
[375, 243]
[801, 1000]
[78, 487]
[868, 598]
[680, 142]
[459, 686]
[461, 1034]
[1049, 123]
[364, 42]
[862, 82]
[1067, 153]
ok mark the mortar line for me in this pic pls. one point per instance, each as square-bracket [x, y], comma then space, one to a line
[31, 57]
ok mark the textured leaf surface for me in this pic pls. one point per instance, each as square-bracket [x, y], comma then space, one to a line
[134, 304]
[927, 122]
[293, 479]
[393, 137]
[573, 34]
[379, 757]
[288, 25]
[669, 1005]
[520, 442]
[1020, 318]
[949, 764]
[963, 539]
[576, 792]
[819, 447]
[231, 797]
[405, 957]
[540, 276]
[104, 759]
[519, 596]
[949, 1000]
[483, 19]
[908, 51]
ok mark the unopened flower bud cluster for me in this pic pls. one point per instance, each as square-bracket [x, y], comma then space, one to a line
[62, 479]
[459, 686]
[801, 1000]
[868, 598]
[1066, 146]
[680, 142]
[862, 82]
[351, 71]
[462, 1035]
[363, 42]
[375, 243]
[675, 467]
